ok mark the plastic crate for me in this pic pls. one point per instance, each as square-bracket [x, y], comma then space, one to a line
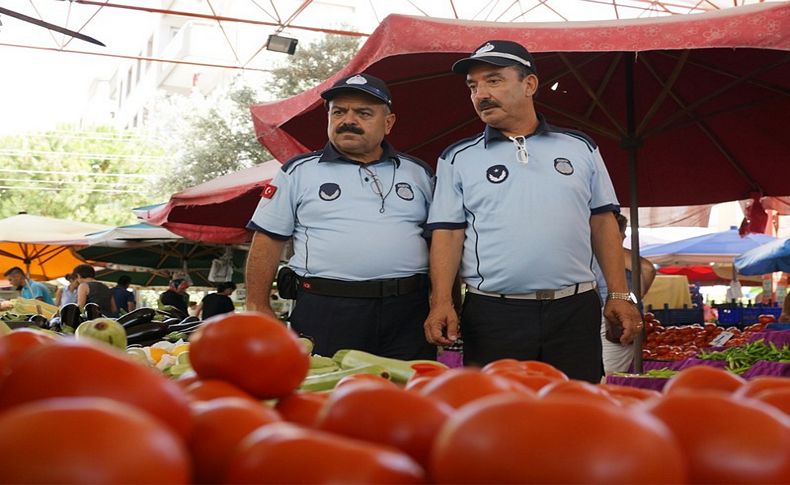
[749, 314]
[730, 315]
[678, 316]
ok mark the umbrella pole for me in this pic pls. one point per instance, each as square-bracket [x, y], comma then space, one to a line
[631, 144]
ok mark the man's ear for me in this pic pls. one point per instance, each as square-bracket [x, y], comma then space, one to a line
[531, 84]
[389, 122]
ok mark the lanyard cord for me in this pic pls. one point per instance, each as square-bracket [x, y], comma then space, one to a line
[376, 184]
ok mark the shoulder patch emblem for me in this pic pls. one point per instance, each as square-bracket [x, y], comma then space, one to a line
[497, 174]
[404, 191]
[563, 166]
[268, 191]
[329, 191]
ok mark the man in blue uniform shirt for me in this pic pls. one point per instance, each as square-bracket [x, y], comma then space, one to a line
[356, 212]
[517, 207]
[32, 290]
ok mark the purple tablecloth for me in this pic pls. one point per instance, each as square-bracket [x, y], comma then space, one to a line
[654, 383]
[766, 368]
[778, 337]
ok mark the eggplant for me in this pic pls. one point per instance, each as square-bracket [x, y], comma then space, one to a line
[171, 321]
[70, 315]
[172, 311]
[138, 318]
[137, 313]
[92, 311]
[54, 323]
[39, 321]
[185, 325]
[146, 334]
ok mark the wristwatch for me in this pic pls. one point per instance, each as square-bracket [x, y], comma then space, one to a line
[629, 297]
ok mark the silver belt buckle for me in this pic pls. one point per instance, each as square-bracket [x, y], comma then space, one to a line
[544, 295]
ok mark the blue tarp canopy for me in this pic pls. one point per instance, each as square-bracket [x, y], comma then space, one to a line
[768, 258]
[717, 247]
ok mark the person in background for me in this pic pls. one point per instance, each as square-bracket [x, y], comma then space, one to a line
[92, 291]
[193, 308]
[67, 294]
[219, 302]
[356, 211]
[176, 295]
[617, 356]
[523, 207]
[32, 290]
[785, 316]
[124, 297]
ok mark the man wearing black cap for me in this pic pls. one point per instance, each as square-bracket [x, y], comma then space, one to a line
[522, 208]
[356, 211]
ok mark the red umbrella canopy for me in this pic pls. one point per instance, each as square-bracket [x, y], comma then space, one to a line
[711, 98]
[216, 211]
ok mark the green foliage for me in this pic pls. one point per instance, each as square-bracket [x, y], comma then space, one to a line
[85, 175]
[313, 64]
[209, 138]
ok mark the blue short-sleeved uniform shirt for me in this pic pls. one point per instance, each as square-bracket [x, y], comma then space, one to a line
[526, 224]
[35, 290]
[350, 221]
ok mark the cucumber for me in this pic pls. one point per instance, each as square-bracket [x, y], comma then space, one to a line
[399, 370]
[328, 381]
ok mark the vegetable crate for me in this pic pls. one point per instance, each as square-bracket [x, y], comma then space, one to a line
[736, 315]
[678, 316]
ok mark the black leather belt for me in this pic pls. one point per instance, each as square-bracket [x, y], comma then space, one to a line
[364, 289]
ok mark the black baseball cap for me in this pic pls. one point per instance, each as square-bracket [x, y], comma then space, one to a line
[499, 53]
[360, 82]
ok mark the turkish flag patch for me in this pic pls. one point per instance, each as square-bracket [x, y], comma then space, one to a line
[268, 191]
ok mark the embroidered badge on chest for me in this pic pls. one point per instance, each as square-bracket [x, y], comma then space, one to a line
[329, 191]
[404, 191]
[563, 166]
[497, 174]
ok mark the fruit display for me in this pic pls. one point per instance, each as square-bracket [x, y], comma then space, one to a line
[681, 342]
[242, 413]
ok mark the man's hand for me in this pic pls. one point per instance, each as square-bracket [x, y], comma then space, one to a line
[441, 326]
[6, 305]
[625, 314]
[265, 309]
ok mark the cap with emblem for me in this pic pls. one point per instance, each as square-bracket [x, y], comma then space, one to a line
[360, 82]
[499, 53]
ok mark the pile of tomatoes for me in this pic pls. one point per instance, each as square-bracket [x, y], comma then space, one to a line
[77, 412]
[683, 342]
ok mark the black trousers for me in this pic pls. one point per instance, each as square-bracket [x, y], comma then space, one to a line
[388, 326]
[564, 333]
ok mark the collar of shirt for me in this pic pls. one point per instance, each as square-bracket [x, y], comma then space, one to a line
[493, 134]
[331, 154]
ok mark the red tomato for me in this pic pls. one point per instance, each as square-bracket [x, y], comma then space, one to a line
[577, 389]
[220, 424]
[766, 318]
[285, 453]
[16, 344]
[256, 353]
[457, 387]
[371, 379]
[635, 393]
[727, 440]
[778, 397]
[423, 370]
[69, 368]
[390, 416]
[415, 384]
[88, 440]
[502, 364]
[302, 407]
[704, 377]
[760, 384]
[534, 382]
[206, 390]
[513, 439]
[528, 367]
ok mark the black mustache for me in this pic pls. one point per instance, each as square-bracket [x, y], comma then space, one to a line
[487, 104]
[349, 128]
